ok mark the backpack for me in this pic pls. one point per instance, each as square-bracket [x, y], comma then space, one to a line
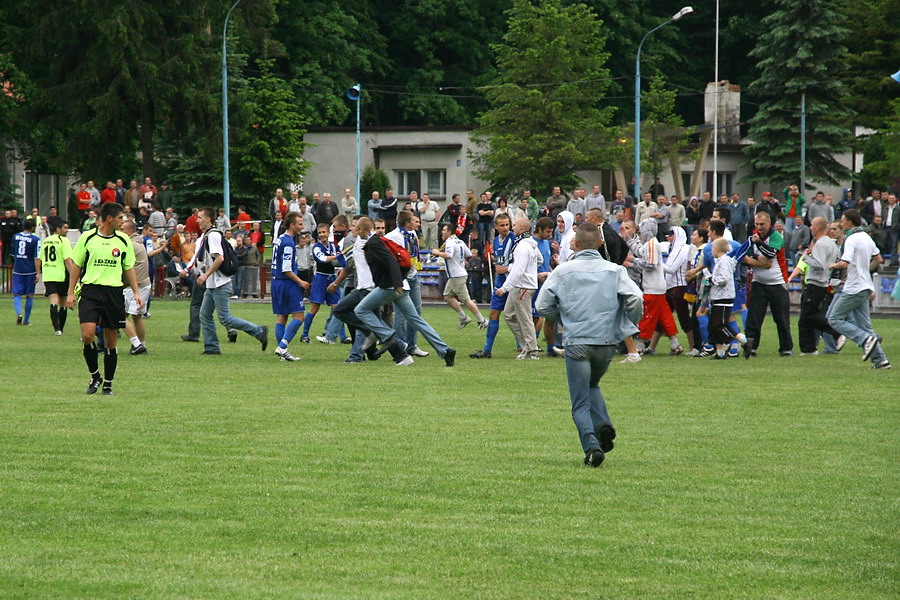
[229, 264]
[398, 252]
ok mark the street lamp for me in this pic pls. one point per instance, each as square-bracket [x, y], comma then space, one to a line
[637, 101]
[354, 94]
[226, 187]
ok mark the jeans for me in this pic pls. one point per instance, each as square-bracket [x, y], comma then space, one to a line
[849, 315]
[236, 282]
[216, 299]
[775, 297]
[585, 365]
[367, 313]
[333, 324]
[343, 311]
[404, 328]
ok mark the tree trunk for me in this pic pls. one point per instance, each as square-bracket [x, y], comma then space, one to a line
[148, 124]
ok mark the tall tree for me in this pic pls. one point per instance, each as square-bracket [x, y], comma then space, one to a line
[545, 122]
[803, 54]
[14, 91]
[663, 133]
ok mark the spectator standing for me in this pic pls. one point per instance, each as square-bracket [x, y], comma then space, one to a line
[645, 208]
[485, 220]
[676, 212]
[595, 200]
[740, 216]
[149, 191]
[109, 193]
[83, 198]
[428, 213]
[374, 206]
[819, 207]
[891, 221]
[157, 220]
[325, 210]
[165, 198]
[793, 206]
[223, 223]
[556, 203]
[279, 204]
[577, 205]
[133, 195]
[349, 207]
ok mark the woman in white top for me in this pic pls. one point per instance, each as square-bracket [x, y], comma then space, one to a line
[675, 268]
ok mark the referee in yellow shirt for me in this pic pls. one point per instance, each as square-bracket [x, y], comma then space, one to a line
[102, 258]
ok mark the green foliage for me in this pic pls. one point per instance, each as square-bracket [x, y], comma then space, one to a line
[267, 146]
[372, 180]
[545, 123]
[882, 151]
[804, 53]
[662, 133]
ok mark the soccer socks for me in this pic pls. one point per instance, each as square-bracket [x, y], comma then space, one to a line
[290, 330]
[279, 332]
[62, 314]
[135, 342]
[29, 303]
[492, 330]
[307, 323]
[732, 325]
[17, 304]
[110, 360]
[90, 359]
[54, 317]
[703, 321]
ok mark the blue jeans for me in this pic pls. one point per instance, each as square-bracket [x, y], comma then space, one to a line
[333, 324]
[216, 299]
[367, 313]
[849, 315]
[585, 365]
[404, 328]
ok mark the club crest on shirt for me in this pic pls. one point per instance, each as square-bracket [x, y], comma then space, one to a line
[116, 252]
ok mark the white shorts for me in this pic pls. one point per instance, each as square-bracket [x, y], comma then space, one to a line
[130, 306]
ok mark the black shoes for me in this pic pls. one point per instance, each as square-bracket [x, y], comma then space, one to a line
[264, 337]
[232, 336]
[480, 354]
[212, 352]
[748, 348]
[605, 435]
[107, 389]
[94, 385]
[141, 349]
[594, 457]
[187, 338]
[450, 357]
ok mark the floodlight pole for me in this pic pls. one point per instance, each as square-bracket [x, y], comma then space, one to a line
[226, 185]
[637, 100]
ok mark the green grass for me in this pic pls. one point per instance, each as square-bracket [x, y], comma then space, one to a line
[240, 476]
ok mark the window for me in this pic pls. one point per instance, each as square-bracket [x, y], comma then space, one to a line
[432, 181]
[725, 183]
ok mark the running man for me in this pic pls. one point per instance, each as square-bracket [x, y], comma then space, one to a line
[287, 287]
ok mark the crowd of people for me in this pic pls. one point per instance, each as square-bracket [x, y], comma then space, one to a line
[543, 262]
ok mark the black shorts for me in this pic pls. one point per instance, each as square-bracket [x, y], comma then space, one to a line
[57, 287]
[102, 305]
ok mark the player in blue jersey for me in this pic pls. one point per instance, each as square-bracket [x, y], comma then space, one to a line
[499, 256]
[287, 287]
[26, 249]
[327, 258]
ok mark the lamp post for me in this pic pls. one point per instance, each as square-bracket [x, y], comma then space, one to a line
[637, 101]
[226, 186]
[354, 94]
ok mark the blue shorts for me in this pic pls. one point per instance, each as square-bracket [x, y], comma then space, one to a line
[287, 297]
[740, 298]
[498, 302]
[23, 285]
[318, 293]
[534, 313]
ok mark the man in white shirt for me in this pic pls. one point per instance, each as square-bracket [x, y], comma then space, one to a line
[428, 213]
[519, 288]
[210, 257]
[849, 311]
[456, 293]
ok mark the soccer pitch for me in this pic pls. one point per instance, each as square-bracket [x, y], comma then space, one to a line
[240, 476]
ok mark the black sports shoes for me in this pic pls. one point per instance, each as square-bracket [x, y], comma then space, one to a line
[450, 357]
[94, 385]
[594, 457]
[605, 435]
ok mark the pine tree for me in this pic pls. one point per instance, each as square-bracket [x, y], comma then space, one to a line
[545, 122]
[802, 54]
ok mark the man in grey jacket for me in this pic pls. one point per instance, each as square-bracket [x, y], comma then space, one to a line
[598, 305]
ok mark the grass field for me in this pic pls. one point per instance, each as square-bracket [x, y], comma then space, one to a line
[240, 476]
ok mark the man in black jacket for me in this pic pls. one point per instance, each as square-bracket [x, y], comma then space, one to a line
[391, 286]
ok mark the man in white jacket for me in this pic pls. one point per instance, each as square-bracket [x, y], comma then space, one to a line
[520, 286]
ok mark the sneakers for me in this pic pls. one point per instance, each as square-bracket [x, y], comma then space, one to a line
[482, 325]
[404, 362]
[734, 351]
[463, 323]
[839, 342]
[370, 341]
[480, 354]
[748, 348]
[324, 340]
[693, 352]
[94, 385]
[605, 435]
[284, 355]
[675, 351]
[140, 349]
[213, 352]
[187, 338]
[528, 356]
[869, 347]
[631, 358]
[594, 457]
[813, 353]
[346, 340]
[450, 357]
[417, 352]
[19, 322]
[353, 361]
[718, 356]
[232, 336]
[107, 388]
[648, 352]
[264, 337]
[58, 332]
[304, 339]
[787, 353]
[882, 365]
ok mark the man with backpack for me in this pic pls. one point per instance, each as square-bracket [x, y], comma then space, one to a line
[218, 262]
[389, 264]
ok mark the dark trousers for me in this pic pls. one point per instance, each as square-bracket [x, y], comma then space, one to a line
[344, 309]
[813, 305]
[719, 332]
[775, 297]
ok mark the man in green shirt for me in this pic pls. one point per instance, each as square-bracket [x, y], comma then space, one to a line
[101, 258]
[55, 262]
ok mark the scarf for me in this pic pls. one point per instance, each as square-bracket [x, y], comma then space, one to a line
[512, 251]
[460, 223]
[848, 233]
